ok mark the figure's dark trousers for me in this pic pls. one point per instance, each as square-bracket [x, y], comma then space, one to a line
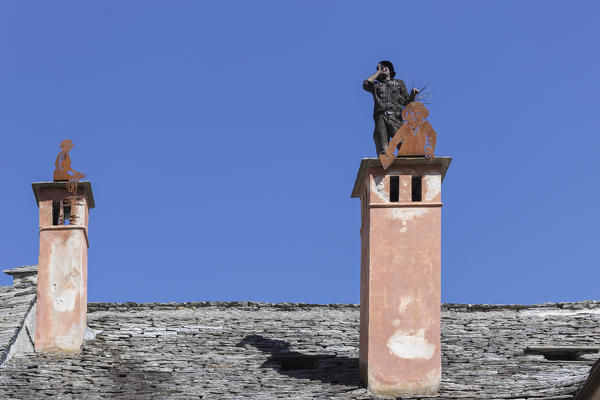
[385, 129]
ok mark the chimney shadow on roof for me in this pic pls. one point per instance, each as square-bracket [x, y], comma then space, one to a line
[130, 377]
[327, 368]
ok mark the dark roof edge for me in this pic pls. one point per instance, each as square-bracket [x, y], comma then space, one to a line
[99, 306]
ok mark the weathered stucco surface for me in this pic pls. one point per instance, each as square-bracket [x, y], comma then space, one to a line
[400, 282]
[62, 280]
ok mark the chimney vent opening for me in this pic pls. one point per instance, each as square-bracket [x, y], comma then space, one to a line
[394, 189]
[417, 188]
[67, 213]
[61, 212]
[56, 206]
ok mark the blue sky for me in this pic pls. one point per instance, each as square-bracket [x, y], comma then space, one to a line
[222, 140]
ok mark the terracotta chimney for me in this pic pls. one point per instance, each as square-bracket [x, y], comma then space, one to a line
[62, 268]
[400, 274]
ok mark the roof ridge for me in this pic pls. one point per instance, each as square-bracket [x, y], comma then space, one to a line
[225, 304]
[576, 305]
[585, 304]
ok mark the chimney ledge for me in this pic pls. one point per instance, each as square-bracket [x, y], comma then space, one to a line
[415, 204]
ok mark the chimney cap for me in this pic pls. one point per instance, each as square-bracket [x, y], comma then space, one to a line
[87, 185]
[366, 163]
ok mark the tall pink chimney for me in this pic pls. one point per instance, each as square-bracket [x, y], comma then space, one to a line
[62, 268]
[400, 294]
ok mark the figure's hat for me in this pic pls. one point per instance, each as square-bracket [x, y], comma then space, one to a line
[66, 143]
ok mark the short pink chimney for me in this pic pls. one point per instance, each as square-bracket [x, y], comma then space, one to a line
[62, 268]
[400, 298]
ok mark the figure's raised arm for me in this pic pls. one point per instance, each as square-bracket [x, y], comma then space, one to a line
[375, 75]
[368, 84]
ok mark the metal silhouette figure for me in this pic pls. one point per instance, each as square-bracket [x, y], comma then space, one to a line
[415, 137]
[63, 170]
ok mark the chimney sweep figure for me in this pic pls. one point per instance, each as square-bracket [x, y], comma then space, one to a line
[416, 136]
[63, 170]
[390, 97]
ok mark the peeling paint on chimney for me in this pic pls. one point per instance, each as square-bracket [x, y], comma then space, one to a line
[378, 189]
[405, 215]
[405, 344]
[432, 187]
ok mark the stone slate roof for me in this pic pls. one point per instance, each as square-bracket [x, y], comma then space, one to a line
[247, 350]
[15, 302]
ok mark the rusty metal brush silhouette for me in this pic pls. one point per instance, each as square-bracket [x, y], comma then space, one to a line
[415, 137]
[64, 172]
